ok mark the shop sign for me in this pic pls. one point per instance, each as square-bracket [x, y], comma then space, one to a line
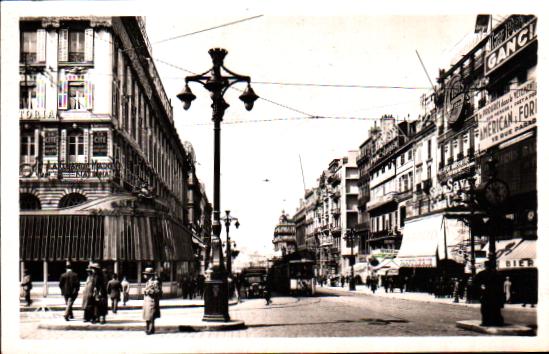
[79, 170]
[100, 147]
[454, 99]
[50, 142]
[417, 262]
[508, 116]
[36, 114]
[456, 168]
[511, 46]
[517, 263]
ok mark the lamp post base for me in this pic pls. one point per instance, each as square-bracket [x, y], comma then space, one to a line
[216, 304]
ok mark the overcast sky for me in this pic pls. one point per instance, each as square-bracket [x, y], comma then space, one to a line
[327, 50]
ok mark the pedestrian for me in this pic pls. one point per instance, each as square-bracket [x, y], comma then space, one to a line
[26, 286]
[114, 288]
[267, 293]
[386, 284]
[102, 295]
[152, 292]
[184, 287]
[94, 299]
[125, 290]
[373, 284]
[456, 290]
[507, 290]
[342, 279]
[69, 285]
[492, 298]
[87, 296]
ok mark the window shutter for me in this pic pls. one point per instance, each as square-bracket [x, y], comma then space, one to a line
[63, 45]
[88, 44]
[40, 92]
[86, 144]
[62, 95]
[88, 92]
[63, 152]
[41, 45]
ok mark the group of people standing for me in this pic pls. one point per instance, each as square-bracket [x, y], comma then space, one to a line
[98, 289]
[192, 287]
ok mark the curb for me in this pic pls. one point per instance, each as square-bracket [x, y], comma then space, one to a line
[505, 330]
[191, 326]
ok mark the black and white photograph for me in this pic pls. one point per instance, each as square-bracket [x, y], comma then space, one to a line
[242, 177]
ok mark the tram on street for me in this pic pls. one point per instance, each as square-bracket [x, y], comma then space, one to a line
[294, 277]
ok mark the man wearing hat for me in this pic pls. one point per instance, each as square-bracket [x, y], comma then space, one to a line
[26, 285]
[151, 305]
[69, 285]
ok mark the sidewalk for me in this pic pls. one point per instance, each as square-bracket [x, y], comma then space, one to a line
[57, 303]
[423, 297]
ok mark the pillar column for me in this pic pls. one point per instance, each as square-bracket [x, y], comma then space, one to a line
[21, 271]
[45, 287]
[116, 267]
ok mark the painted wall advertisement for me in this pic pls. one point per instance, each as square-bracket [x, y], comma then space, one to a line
[508, 116]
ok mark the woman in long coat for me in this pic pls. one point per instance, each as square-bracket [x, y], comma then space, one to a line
[88, 296]
[151, 304]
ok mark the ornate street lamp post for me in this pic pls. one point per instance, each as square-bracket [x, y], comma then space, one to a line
[350, 237]
[228, 219]
[216, 297]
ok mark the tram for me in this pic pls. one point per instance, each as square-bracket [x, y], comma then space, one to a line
[294, 277]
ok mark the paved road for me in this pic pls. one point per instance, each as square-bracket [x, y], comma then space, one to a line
[331, 314]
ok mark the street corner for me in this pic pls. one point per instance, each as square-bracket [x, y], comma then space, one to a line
[505, 330]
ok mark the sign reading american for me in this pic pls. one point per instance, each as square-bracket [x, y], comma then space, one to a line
[511, 47]
[508, 116]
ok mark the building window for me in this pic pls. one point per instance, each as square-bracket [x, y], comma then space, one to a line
[28, 201]
[28, 47]
[27, 97]
[429, 145]
[76, 46]
[27, 145]
[402, 159]
[77, 97]
[428, 172]
[75, 147]
[72, 199]
[410, 155]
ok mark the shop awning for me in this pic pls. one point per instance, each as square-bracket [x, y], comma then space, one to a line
[106, 233]
[419, 242]
[515, 254]
[454, 240]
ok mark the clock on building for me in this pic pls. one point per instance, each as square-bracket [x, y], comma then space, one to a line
[496, 193]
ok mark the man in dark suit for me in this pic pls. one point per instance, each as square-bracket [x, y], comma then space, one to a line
[114, 288]
[70, 285]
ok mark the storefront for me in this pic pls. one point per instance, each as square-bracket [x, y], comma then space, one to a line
[122, 233]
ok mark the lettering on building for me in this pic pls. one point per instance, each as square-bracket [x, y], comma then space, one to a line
[511, 46]
[508, 116]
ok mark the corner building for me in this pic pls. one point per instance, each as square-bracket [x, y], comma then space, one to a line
[103, 173]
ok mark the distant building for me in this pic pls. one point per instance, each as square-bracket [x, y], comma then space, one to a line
[284, 239]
